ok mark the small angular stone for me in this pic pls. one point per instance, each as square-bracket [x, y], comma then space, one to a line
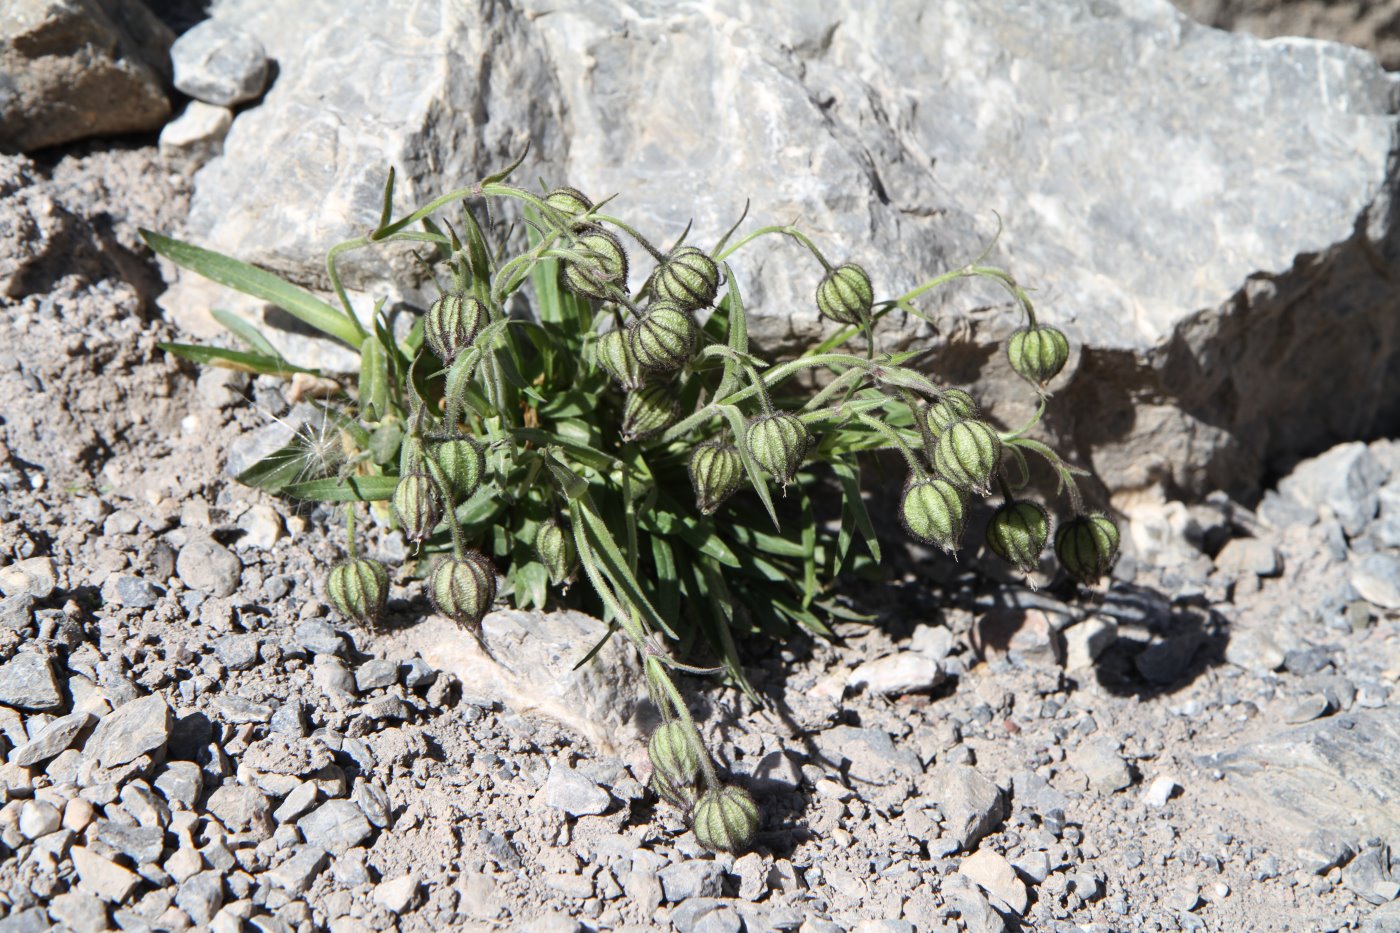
[219, 63]
[1099, 760]
[81, 913]
[318, 637]
[129, 591]
[237, 652]
[238, 710]
[141, 844]
[201, 896]
[375, 673]
[38, 818]
[35, 576]
[898, 674]
[242, 808]
[27, 682]
[297, 873]
[296, 803]
[206, 565]
[1377, 578]
[572, 792]
[335, 826]
[691, 878]
[398, 895]
[181, 782]
[52, 739]
[138, 727]
[372, 800]
[972, 805]
[102, 878]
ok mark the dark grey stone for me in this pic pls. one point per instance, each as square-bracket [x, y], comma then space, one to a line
[375, 673]
[201, 896]
[27, 681]
[298, 872]
[237, 652]
[17, 612]
[131, 592]
[181, 782]
[691, 878]
[318, 637]
[140, 843]
[52, 739]
[136, 728]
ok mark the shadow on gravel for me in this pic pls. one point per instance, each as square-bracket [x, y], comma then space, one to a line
[1162, 645]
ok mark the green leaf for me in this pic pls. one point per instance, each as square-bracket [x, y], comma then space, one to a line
[386, 213]
[277, 470]
[760, 484]
[374, 379]
[234, 359]
[245, 332]
[250, 280]
[348, 489]
[853, 507]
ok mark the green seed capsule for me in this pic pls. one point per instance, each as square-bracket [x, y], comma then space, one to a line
[603, 272]
[417, 504]
[555, 548]
[673, 755]
[452, 324]
[618, 360]
[411, 455]
[967, 454]
[845, 295]
[463, 463]
[725, 819]
[665, 338]
[1086, 546]
[716, 470]
[954, 405]
[688, 277]
[649, 411]
[778, 443]
[680, 796]
[1018, 532]
[463, 590]
[1038, 353]
[570, 201]
[358, 590]
[934, 511]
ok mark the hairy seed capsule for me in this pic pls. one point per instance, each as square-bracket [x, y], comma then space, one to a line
[603, 271]
[1018, 532]
[665, 338]
[778, 443]
[680, 796]
[417, 504]
[463, 590]
[618, 360]
[1086, 546]
[967, 454]
[411, 455]
[688, 277]
[358, 590]
[452, 324]
[555, 549]
[954, 405]
[673, 754]
[934, 511]
[570, 201]
[716, 470]
[463, 463]
[845, 294]
[725, 819]
[649, 411]
[1038, 353]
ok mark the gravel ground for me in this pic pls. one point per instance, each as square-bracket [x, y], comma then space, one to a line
[191, 738]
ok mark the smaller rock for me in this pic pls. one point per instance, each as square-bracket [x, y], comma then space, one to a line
[1377, 579]
[898, 674]
[994, 875]
[350, 868]
[142, 844]
[184, 864]
[241, 809]
[1033, 866]
[330, 675]
[728, 920]
[237, 652]
[1345, 478]
[52, 739]
[1323, 850]
[297, 803]
[752, 872]
[131, 592]
[219, 63]
[1249, 555]
[568, 790]
[376, 673]
[138, 727]
[38, 818]
[335, 826]
[972, 805]
[201, 896]
[1256, 649]
[1160, 791]
[692, 878]
[35, 576]
[261, 527]
[1306, 709]
[81, 913]
[181, 783]
[239, 710]
[418, 673]
[372, 800]
[1368, 876]
[934, 641]
[17, 612]
[318, 637]
[101, 877]
[297, 873]
[1085, 641]
[1099, 760]
[27, 681]
[398, 895]
[1164, 662]
[206, 565]
[290, 719]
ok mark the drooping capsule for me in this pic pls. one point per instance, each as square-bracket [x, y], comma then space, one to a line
[778, 443]
[845, 295]
[688, 277]
[716, 472]
[358, 589]
[968, 452]
[1086, 546]
[463, 589]
[665, 338]
[934, 511]
[1017, 533]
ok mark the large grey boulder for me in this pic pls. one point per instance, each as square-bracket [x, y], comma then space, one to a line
[1206, 214]
[80, 68]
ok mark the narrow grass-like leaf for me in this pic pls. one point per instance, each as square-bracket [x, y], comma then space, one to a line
[277, 470]
[250, 280]
[386, 213]
[374, 379]
[853, 509]
[348, 489]
[246, 332]
[760, 484]
[240, 360]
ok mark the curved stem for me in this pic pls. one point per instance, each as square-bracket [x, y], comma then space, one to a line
[898, 442]
[350, 531]
[1035, 419]
[459, 547]
[764, 399]
[632, 232]
[683, 711]
[921, 422]
[786, 230]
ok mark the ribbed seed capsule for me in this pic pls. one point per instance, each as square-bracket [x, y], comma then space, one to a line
[649, 410]
[570, 201]
[665, 338]
[417, 504]
[845, 294]
[1037, 354]
[1086, 546]
[716, 470]
[358, 589]
[411, 455]
[681, 796]
[463, 590]
[673, 754]
[618, 360]
[688, 277]
[555, 548]
[463, 463]
[778, 443]
[967, 454]
[725, 819]
[1018, 532]
[452, 323]
[954, 405]
[934, 511]
[603, 271]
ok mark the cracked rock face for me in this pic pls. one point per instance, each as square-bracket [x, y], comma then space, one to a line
[1205, 214]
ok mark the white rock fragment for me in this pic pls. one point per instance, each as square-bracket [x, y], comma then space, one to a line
[994, 874]
[898, 674]
[195, 137]
[1160, 791]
